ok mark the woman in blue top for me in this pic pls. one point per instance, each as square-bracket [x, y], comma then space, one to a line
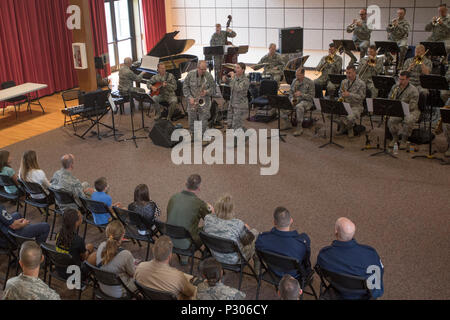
[6, 170]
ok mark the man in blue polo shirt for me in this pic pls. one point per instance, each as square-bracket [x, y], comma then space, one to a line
[282, 241]
[346, 256]
[22, 227]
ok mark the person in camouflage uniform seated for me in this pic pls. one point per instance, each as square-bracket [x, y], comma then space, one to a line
[167, 91]
[28, 286]
[127, 77]
[335, 67]
[213, 288]
[366, 71]
[275, 64]
[408, 93]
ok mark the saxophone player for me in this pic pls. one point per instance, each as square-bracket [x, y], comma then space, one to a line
[352, 91]
[199, 84]
[361, 36]
[330, 64]
[440, 27]
[398, 31]
[408, 93]
[301, 95]
[369, 67]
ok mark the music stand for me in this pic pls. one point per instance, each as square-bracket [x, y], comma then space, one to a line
[133, 95]
[432, 82]
[213, 51]
[334, 108]
[445, 115]
[345, 44]
[280, 102]
[384, 85]
[388, 108]
[388, 47]
[337, 78]
[436, 49]
[143, 97]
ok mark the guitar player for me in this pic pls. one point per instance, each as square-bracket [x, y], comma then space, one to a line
[163, 86]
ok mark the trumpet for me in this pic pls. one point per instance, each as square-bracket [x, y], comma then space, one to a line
[353, 26]
[393, 23]
[436, 21]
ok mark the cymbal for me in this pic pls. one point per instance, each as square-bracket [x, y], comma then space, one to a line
[229, 65]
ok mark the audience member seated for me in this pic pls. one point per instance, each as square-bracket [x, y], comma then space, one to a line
[30, 172]
[289, 288]
[28, 286]
[101, 195]
[281, 240]
[64, 180]
[224, 224]
[145, 207]
[22, 227]
[158, 274]
[346, 256]
[186, 209]
[68, 241]
[213, 288]
[6, 170]
[112, 258]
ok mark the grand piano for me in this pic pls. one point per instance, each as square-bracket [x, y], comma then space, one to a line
[170, 51]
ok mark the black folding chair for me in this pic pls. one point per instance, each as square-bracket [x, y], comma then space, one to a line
[106, 278]
[17, 101]
[7, 248]
[333, 284]
[177, 232]
[267, 88]
[92, 207]
[133, 222]
[61, 198]
[67, 96]
[18, 240]
[282, 264]
[6, 181]
[153, 294]
[226, 246]
[43, 205]
[54, 260]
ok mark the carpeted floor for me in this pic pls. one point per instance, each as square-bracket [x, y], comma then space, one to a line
[400, 206]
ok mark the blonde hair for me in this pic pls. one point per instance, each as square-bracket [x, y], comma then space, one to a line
[224, 207]
[114, 232]
[28, 163]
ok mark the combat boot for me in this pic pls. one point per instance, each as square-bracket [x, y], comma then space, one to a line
[298, 132]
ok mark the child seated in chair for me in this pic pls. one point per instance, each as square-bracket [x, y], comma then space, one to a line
[101, 195]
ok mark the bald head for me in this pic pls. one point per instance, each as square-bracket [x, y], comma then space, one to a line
[345, 229]
[67, 161]
[128, 62]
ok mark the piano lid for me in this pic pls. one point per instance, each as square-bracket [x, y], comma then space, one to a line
[168, 46]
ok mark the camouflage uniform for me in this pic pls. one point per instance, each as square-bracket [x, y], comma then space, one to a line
[220, 40]
[357, 92]
[126, 79]
[275, 66]
[24, 287]
[64, 180]
[238, 106]
[369, 72]
[445, 94]
[304, 102]
[361, 38]
[218, 292]
[446, 129]
[323, 82]
[400, 35]
[192, 87]
[167, 94]
[404, 126]
[440, 32]
[416, 72]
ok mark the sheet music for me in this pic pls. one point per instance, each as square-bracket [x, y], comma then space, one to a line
[348, 108]
[369, 102]
[112, 104]
[405, 109]
[149, 62]
[317, 104]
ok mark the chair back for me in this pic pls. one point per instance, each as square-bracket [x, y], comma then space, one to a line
[153, 294]
[268, 88]
[279, 263]
[19, 240]
[93, 206]
[58, 259]
[70, 95]
[62, 197]
[8, 84]
[343, 283]
[174, 232]
[31, 188]
[104, 277]
[218, 244]
[6, 181]
[10, 245]
[132, 221]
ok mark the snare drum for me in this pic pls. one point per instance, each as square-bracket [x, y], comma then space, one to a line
[255, 77]
[267, 77]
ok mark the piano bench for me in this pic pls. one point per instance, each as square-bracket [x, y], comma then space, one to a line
[120, 100]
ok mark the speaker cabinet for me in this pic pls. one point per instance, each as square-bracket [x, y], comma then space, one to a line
[291, 40]
[161, 133]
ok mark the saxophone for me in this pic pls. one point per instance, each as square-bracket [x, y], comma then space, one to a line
[199, 100]
[438, 129]
[394, 93]
[341, 99]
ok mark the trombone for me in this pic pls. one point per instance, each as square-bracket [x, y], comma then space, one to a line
[418, 60]
[436, 21]
[328, 60]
